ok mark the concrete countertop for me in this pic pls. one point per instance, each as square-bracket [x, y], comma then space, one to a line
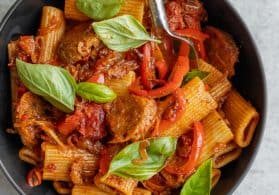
[262, 19]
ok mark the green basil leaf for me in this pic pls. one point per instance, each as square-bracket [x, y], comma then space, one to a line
[95, 92]
[99, 9]
[122, 33]
[194, 73]
[200, 182]
[54, 84]
[159, 150]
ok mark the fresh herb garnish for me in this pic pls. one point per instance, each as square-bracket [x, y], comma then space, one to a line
[99, 9]
[158, 151]
[95, 92]
[200, 182]
[57, 86]
[194, 73]
[122, 33]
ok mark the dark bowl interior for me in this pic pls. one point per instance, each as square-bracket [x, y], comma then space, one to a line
[23, 19]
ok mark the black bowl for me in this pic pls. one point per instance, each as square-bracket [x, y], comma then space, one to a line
[23, 19]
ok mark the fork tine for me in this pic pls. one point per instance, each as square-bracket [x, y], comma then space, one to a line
[161, 21]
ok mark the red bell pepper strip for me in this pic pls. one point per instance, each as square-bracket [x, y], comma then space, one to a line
[70, 123]
[184, 49]
[160, 63]
[147, 74]
[162, 69]
[189, 166]
[196, 35]
[202, 50]
[105, 159]
[192, 33]
[175, 79]
[176, 108]
[168, 49]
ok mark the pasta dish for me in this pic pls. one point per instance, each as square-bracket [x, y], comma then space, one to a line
[106, 103]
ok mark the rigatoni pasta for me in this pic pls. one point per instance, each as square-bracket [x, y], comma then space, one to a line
[28, 155]
[217, 134]
[141, 191]
[216, 175]
[242, 116]
[88, 190]
[132, 7]
[114, 184]
[199, 105]
[72, 13]
[51, 31]
[57, 162]
[93, 190]
[218, 82]
[230, 152]
[13, 77]
[61, 188]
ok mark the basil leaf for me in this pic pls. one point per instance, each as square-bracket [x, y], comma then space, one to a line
[122, 33]
[54, 84]
[99, 9]
[158, 151]
[200, 182]
[194, 73]
[95, 92]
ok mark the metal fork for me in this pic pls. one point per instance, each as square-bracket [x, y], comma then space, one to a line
[161, 21]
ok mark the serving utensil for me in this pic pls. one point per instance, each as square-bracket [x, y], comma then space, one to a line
[160, 21]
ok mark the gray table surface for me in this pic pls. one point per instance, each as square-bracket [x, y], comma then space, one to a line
[262, 18]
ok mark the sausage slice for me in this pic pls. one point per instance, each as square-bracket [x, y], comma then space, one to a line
[130, 117]
[221, 50]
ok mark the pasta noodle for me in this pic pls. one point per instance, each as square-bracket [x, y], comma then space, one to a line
[29, 156]
[242, 116]
[217, 81]
[215, 176]
[227, 154]
[113, 182]
[13, 77]
[131, 7]
[155, 186]
[58, 162]
[141, 191]
[93, 190]
[121, 86]
[49, 130]
[50, 33]
[134, 8]
[61, 188]
[199, 104]
[88, 190]
[72, 13]
[217, 134]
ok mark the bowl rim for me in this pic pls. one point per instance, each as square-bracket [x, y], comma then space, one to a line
[264, 93]
[17, 3]
[2, 26]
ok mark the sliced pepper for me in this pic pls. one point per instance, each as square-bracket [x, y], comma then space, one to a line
[196, 148]
[192, 33]
[147, 73]
[175, 109]
[162, 69]
[196, 35]
[179, 70]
